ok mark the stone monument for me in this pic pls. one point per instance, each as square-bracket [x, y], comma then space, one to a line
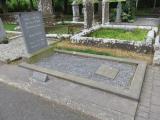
[119, 12]
[33, 31]
[75, 10]
[2, 32]
[105, 12]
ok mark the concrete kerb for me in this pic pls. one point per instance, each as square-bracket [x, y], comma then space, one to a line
[133, 92]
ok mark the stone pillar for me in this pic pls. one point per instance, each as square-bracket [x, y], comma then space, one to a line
[45, 6]
[119, 12]
[75, 10]
[88, 13]
[105, 12]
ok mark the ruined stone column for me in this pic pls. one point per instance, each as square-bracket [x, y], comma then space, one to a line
[75, 10]
[45, 6]
[105, 12]
[88, 13]
[119, 12]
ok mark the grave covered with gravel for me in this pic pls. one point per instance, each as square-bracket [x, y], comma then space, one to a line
[86, 67]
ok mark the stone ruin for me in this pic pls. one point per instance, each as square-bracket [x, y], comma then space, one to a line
[88, 11]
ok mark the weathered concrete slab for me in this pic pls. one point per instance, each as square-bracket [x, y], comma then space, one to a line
[107, 71]
[79, 98]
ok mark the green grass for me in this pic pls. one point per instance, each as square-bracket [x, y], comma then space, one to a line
[62, 29]
[9, 27]
[121, 34]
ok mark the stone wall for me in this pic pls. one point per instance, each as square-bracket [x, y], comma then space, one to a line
[145, 46]
[156, 59]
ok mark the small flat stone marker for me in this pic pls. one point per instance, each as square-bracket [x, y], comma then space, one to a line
[107, 71]
[37, 76]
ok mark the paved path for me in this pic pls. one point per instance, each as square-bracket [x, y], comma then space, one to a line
[102, 105]
[149, 105]
[144, 22]
[16, 104]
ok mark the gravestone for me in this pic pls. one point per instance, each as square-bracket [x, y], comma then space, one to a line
[33, 31]
[119, 12]
[2, 32]
[37, 76]
[105, 12]
[75, 10]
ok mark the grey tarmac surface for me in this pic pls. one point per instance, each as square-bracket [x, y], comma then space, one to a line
[17, 104]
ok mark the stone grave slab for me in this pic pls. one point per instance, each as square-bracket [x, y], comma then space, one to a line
[38, 76]
[33, 31]
[80, 68]
[2, 31]
[107, 71]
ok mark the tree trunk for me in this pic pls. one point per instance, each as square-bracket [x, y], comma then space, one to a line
[3, 6]
[88, 13]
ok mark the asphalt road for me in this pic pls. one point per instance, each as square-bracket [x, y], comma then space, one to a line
[16, 104]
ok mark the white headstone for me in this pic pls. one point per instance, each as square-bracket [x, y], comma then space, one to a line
[75, 10]
[105, 12]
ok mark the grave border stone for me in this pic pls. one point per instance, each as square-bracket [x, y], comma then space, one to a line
[133, 92]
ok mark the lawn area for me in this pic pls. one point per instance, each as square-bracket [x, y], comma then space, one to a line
[63, 29]
[67, 45]
[9, 27]
[121, 34]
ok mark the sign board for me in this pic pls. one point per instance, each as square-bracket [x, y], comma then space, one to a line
[33, 31]
[2, 31]
[115, 0]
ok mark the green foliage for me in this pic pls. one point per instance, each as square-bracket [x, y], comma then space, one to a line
[129, 9]
[137, 34]
[113, 14]
[20, 5]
